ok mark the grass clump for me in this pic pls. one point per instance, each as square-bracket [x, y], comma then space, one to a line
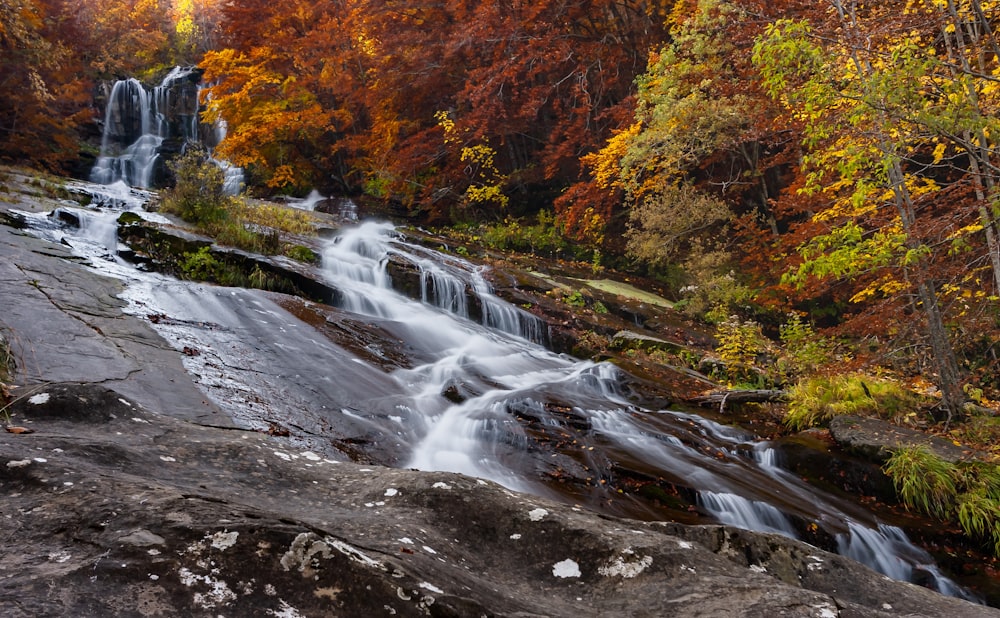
[283, 218]
[199, 197]
[968, 492]
[814, 401]
[923, 480]
[301, 253]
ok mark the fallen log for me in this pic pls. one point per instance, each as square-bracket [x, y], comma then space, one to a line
[741, 396]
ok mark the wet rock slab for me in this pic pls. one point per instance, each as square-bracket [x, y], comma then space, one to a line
[112, 509]
[878, 439]
[65, 323]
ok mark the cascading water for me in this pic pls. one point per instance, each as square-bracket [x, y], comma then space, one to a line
[479, 436]
[138, 122]
[464, 391]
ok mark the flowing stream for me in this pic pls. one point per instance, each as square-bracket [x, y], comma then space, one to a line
[453, 378]
[139, 120]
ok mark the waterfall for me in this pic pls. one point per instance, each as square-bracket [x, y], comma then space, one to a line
[889, 551]
[743, 513]
[477, 394]
[138, 124]
[357, 262]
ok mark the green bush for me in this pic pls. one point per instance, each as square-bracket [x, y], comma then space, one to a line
[576, 299]
[198, 195]
[803, 351]
[968, 491]
[739, 344]
[302, 253]
[201, 265]
[814, 401]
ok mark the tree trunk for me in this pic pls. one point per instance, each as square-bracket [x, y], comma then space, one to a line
[949, 380]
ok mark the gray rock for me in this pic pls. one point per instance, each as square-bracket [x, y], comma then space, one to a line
[877, 439]
[65, 323]
[136, 513]
[631, 340]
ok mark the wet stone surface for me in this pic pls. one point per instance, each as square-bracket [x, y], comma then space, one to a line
[184, 459]
[136, 513]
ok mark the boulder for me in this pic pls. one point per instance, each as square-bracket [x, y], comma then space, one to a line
[877, 439]
[113, 509]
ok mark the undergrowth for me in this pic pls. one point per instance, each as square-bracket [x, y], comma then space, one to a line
[199, 197]
[544, 237]
[815, 400]
[967, 491]
[202, 265]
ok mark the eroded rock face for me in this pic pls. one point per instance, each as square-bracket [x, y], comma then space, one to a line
[112, 509]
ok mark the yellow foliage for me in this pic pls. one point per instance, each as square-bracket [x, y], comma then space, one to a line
[283, 176]
[605, 163]
[448, 125]
[939, 152]
[886, 287]
[968, 229]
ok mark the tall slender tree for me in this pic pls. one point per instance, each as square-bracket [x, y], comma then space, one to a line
[857, 104]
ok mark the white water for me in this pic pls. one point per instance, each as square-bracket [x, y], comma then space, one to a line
[473, 436]
[134, 111]
[491, 371]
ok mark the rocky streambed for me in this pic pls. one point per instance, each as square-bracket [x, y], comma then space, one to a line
[161, 475]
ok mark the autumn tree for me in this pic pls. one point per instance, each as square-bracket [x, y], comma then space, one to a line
[284, 89]
[959, 63]
[536, 84]
[689, 163]
[45, 99]
[681, 120]
[859, 90]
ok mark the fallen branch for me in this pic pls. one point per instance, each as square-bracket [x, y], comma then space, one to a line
[741, 396]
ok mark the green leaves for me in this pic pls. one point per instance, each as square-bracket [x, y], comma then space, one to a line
[923, 480]
[848, 251]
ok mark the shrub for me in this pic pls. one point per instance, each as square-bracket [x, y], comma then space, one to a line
[923, 480]
[739, 345]
[804, 352]
[543, 238]
[814, 401]
[201, 265]
[198, 195]
[576, 299]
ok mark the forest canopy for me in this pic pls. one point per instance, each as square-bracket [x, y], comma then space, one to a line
[834, 161]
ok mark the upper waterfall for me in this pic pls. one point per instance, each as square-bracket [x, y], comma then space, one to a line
[144, 127]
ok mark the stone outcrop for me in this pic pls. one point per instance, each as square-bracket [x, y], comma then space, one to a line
[114, 509]
[877, 439]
